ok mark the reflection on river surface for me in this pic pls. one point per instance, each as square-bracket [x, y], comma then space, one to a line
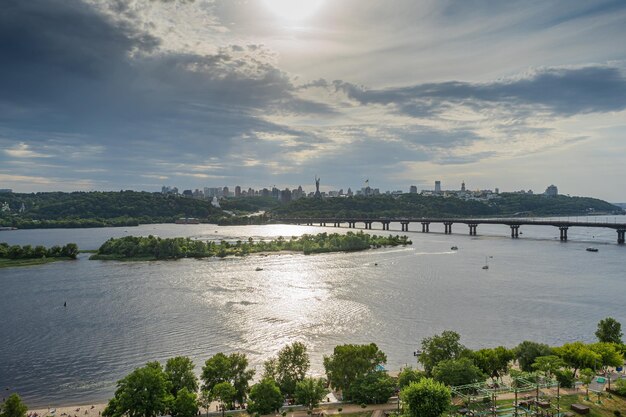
[121, 314]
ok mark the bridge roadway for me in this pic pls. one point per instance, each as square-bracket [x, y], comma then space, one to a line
[513, 223]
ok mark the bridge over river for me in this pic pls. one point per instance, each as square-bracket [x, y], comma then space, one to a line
[472, 223]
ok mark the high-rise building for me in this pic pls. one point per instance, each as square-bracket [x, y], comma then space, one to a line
[237, 191]
[552, 191]
[437, 186]
[225, 192]
[413, 189]
[463, 186]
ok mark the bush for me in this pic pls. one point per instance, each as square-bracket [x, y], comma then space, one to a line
[620, 387]
[363, 405]
[617, 413]
[340, 409]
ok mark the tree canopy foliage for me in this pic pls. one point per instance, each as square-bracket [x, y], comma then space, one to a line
[372, 388]
[28, 252]
[151, 247]
[446, 346]
[142, 393]
[455, 372]
[99, 209]
[265, 397]
[289, 367]
[13, 407]
[527, 351]
[231, 368]
[179, 372]
[310, 391]
[609, 331]
[350, 362]
[426, 398]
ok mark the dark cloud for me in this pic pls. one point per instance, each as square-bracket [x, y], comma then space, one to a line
[561, 91]
[71, 70]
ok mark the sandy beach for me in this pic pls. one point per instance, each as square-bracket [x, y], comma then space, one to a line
[90, 410]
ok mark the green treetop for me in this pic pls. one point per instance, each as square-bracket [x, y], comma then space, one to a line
[289, 367]
[228, 368]
[439, 348]
[179, 371]
[426, 398]
[349, 362]
[265, 397]
[142, 393]
[310, 391]
[13, 407]
[609, 331]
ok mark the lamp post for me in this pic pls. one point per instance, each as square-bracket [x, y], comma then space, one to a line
[417, 354]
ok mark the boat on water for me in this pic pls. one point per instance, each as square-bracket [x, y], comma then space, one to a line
[258, 268]
[590, 249]
[486, 266]
[454, 248]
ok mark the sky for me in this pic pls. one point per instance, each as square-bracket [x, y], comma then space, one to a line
[136, 94]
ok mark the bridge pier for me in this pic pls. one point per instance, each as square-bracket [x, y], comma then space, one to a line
[620, 236]
[425, 226]
[368, 225]
[337, 224]
[323, 224]
[385, 225]
[447, 228]
[472, 229]
[351, 225]
[514, 231]
[405, 226]
[563, 230]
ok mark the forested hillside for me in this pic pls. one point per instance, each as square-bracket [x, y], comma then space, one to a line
[93, 209]
[415, 205]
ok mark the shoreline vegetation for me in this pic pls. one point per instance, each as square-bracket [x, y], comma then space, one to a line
[132, 248]
[27, 255]
[452, 378]
[132, 208]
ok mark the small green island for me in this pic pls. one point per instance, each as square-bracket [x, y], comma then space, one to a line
[154, 248]
[16, 255]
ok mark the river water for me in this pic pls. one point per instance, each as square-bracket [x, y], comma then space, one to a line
[120, 315]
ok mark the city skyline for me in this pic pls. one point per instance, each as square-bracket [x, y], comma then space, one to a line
[105, 95]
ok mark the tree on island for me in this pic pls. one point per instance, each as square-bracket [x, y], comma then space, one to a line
[289, 367]
[426, 398]
[228, 368]
[265, 397]
[349, 362]
[310, 391]
[609, 331]
[13, 407]
[439, 348]
[142, 393]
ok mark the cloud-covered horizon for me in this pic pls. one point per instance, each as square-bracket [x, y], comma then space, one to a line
[137, 94]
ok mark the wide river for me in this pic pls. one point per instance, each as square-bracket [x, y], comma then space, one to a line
[120, 315]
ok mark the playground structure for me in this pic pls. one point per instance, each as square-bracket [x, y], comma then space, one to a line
[522, 398]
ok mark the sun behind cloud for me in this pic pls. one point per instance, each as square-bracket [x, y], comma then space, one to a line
[293, 10]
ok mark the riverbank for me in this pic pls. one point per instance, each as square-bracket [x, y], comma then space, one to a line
[11, 263]
[603, 409]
